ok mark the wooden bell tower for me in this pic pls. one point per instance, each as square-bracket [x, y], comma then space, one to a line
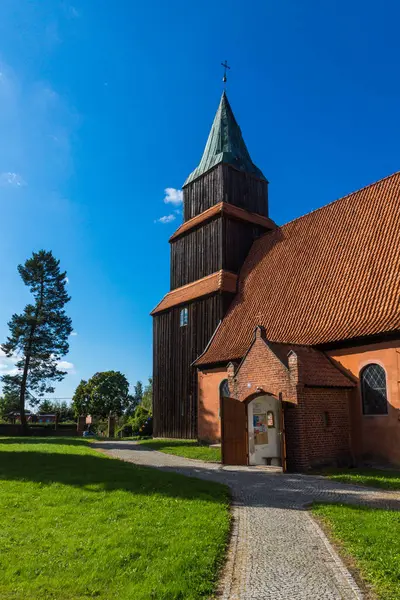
[225, 209]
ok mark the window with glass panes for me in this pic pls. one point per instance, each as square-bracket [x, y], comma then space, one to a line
[184, 317]
[373, 390]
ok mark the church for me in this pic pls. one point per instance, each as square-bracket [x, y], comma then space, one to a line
[282, 342]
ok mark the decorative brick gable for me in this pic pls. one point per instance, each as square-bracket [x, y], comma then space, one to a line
[315, 397]
[262, 371]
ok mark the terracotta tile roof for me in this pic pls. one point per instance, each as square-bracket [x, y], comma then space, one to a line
[316, 367]
[221, 281]
[331, 275]
[226, 209]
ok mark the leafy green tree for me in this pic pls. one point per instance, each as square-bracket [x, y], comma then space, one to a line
[81, 398]
[46, 407]
[105, 394]
[9, 403]
[134, 399]
[64, 411]
[140, 420]
[39, 335]
[138, 395]
[147, 399]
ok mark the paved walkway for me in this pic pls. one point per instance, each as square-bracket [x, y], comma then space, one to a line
[277, 551]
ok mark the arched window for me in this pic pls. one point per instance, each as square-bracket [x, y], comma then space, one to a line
[373, 390]
[224, 389]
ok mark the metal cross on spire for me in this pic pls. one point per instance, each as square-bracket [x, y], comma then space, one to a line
[225, 65]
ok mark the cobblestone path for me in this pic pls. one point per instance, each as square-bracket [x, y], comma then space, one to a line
[277, 551]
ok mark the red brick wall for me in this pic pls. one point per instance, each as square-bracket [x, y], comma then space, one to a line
[329, 443]
[262, 370]
[309, 442]
[295, 440]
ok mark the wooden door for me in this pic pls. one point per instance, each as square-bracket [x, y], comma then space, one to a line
[233, 432]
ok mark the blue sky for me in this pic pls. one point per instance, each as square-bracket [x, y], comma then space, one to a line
[104, 105]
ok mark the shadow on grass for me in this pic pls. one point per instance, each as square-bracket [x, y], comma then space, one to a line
[98, 473]
[266, 489]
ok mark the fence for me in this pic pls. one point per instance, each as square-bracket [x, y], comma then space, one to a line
[44, 431]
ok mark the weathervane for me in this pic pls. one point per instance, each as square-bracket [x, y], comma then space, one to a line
[225, 65]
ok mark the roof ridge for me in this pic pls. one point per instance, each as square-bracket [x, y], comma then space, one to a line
[365, 187]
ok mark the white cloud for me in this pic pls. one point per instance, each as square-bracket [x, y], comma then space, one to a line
[74, 333]
[173, 196]
[7, 364]
[11, 179]
[67, 280]
[65, 365]
[165, 219]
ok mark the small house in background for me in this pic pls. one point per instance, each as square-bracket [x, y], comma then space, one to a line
[46, 418]
[15, 417]
[282, 341]
[31, 417]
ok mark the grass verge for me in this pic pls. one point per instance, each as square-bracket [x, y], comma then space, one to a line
[369, 539]
[187, 448]
[76, 524]
[379, 478]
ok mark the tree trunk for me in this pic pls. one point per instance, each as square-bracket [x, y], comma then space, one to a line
[22, 393]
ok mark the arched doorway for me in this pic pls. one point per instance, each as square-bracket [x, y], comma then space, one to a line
[264, 431]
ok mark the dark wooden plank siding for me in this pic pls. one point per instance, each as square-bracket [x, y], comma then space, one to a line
[245, 191]
[218, 244]
[225, 184]
[238, 237]
[203, 193]
[174, 350]
[197, 254]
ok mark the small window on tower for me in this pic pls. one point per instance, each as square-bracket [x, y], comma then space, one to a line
[184, 317]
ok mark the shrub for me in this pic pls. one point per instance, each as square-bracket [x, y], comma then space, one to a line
[141, 422]
[147, 428]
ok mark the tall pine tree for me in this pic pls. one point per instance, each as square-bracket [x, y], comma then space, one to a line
[39, 335]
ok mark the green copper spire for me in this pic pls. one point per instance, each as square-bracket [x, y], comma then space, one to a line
[225, 144]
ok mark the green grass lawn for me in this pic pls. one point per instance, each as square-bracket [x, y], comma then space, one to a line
[371, 538]
[380, 478]
[186, 448]
[75, 524]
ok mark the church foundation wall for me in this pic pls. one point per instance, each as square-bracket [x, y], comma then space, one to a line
[375, 437]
